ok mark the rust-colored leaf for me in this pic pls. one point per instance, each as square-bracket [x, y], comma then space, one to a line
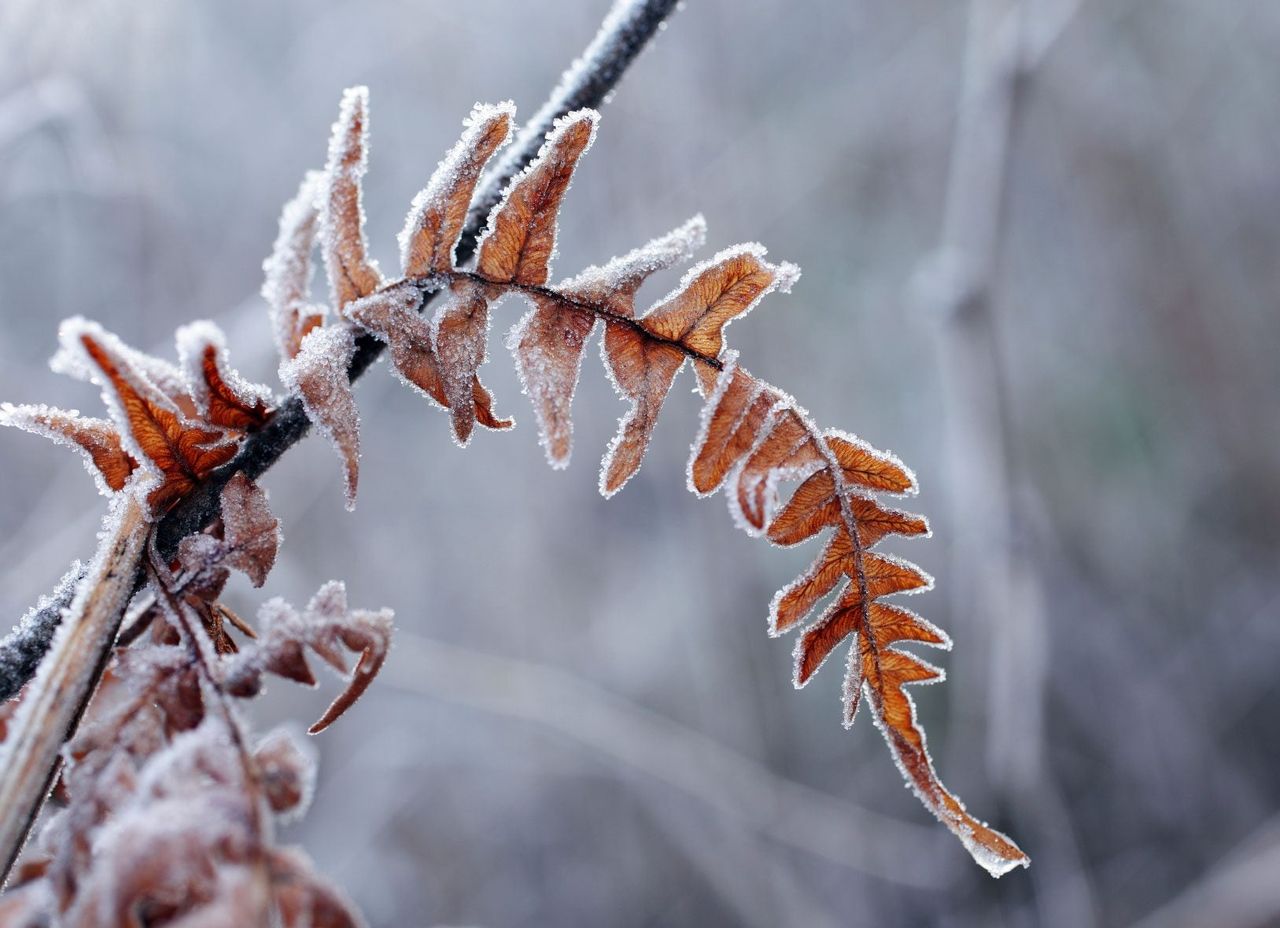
[182, 452]
[642, 370]
[814, 506]
[521, 237]
[548, 342]
[712, 295]
[391, 314]
[222, 397]
[97, 439]
[459, 333]
[439, 212]
[865, 466]
[736, 414]
[251, 534]
[352, 273]
[788, 450]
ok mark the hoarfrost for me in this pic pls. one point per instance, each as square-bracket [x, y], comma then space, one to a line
[352, 274]
[319, 375]
[23, 648]
[439, 212]
[548, 341]
[97, 440]
[286, 284]
[193, 342]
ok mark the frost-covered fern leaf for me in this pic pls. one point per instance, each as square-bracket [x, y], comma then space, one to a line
[753, 437]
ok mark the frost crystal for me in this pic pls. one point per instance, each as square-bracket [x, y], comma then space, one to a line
[319, 375]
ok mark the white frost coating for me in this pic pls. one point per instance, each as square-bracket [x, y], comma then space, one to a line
[603, 49]
[446, 172]
[558, 129]
[203, 753]
[319, 376]
[28, 418]
[192, 340]
[286, 284]
[347, 257]
[889, 456]
[73, 356]
[71, 361]
[613, 285]
[622, 276]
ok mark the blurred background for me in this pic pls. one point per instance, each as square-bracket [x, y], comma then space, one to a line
[1040, 251]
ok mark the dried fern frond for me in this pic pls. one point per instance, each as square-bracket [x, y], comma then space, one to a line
[753, 436]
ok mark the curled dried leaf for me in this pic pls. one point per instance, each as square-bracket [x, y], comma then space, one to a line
[352, 273]
[222, 397]
[97, 439]
[249, 542]
[439, 212]
[319, 376]
[286, 770]
[326, 627]
[520, 240]
[155, 432]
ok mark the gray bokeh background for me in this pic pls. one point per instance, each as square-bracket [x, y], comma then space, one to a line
[585, 722]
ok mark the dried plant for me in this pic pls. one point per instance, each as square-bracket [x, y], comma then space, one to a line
[167, 808]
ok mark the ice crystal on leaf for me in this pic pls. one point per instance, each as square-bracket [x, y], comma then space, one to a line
[325, 627]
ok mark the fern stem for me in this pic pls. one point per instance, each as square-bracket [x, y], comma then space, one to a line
[602, 312]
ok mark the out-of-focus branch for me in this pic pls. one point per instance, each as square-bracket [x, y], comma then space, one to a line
[642, 740]
[22, 649]
[998, 593]
[1241, 892]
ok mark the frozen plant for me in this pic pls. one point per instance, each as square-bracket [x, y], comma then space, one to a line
[167, 804]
